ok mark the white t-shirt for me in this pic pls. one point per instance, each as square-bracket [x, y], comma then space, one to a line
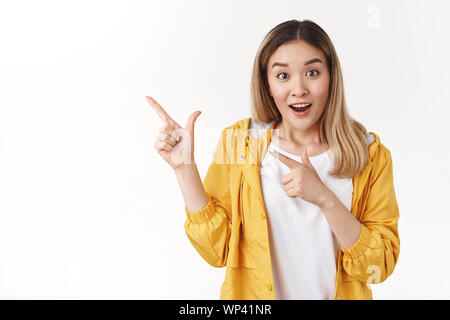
[303, 248]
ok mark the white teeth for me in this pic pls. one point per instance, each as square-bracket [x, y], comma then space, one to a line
[301, 105]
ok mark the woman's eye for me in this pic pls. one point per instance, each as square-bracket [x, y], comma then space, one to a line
[283, 78]
[317, 72]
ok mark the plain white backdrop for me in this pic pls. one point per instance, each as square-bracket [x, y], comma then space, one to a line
[88, 209]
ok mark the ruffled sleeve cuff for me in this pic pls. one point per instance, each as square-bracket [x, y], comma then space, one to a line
[202, 215]
[358, 248]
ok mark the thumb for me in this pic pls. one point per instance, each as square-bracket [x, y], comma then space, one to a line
[305, 158]
[191, 121]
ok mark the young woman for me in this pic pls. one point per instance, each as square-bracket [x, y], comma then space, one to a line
[299, 200]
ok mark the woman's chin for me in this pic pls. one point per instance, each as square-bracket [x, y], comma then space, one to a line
[301, 124]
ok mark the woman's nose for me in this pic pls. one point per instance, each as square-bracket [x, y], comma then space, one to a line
[298, 87]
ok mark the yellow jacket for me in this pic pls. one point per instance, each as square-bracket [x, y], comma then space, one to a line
[232, 230]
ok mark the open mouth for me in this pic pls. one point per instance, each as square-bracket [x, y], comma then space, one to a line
[300, 109]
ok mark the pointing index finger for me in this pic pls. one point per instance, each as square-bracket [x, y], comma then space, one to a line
[161, 112]
[291, 163]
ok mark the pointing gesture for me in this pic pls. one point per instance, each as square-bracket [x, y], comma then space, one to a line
[162, 113]
[175, 144]
[303, 181]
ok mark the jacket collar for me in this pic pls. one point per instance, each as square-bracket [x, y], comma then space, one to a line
[261, 134]
[258, 134]
[262, 131]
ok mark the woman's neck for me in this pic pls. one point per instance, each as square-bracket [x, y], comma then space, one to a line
[297, 137]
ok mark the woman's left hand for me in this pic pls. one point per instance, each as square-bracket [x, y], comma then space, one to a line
[303, 181]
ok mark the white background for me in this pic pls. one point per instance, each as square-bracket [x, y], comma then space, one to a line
[88, 209]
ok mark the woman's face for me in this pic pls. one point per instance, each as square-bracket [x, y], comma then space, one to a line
[298, 73]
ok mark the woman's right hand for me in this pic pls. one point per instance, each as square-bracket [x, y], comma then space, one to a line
[174, 143]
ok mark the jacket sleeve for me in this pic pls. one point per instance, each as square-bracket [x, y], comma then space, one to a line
[373, 256]
[209, 229]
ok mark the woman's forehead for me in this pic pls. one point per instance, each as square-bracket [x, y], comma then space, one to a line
[298, 52]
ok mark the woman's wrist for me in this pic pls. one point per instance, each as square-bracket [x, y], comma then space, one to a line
[328, 200]
[185, 169]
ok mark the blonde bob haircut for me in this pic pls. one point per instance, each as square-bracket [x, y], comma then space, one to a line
[343, 136]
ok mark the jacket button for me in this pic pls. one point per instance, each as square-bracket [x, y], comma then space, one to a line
[269, 287]
[263, 216]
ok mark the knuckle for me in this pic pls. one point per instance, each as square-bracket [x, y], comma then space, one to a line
[167, 147]
[164, 137]
[171, 139]
[164, 128]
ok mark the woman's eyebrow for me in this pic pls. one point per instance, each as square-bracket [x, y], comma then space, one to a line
[280, 64]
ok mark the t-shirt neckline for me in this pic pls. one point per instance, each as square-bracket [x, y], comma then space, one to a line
[294, 156]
